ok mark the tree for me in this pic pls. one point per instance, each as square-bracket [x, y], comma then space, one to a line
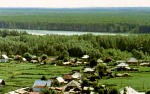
[101, 69]
[43, 78]
[43, 57]
[27, 56]
[113, 91]
[93, 62]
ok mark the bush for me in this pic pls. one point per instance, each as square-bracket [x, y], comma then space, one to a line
[101, 69]
[113, 91]
[43, 78]
[27, 56]
[48, 91]
[44, 56]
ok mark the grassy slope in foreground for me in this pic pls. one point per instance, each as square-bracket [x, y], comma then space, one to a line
[19, 75]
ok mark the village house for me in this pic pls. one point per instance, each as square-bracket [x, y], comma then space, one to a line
[60, 79]
[130, 90]
[41, 84]
[72, 87]
[132, 61]
[88, 70]
[68, 78]
[4, 58]
[99, 61]
[85, 57]
[20, 91]
[77, 75]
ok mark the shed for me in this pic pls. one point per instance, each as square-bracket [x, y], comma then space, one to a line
[41, 84]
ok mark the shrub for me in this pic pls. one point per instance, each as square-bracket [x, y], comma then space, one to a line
[48, 91]
[44, 56]
[113, 91]
[43, 78]
[27, 56]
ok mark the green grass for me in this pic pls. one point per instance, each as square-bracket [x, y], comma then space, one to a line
[24, 74]
[138, 80]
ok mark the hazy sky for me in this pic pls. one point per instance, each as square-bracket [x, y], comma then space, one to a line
[74, 3]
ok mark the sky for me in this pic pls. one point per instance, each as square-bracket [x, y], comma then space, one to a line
[74, 3]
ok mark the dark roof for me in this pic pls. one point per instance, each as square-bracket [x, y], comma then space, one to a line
[68, 77]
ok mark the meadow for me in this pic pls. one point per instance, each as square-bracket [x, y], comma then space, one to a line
[19, 75]
[138, 80]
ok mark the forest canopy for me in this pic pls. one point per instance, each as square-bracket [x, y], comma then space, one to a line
[118, 20]
[117, 47]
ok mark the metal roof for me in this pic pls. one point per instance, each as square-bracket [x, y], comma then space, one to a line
[46, 83]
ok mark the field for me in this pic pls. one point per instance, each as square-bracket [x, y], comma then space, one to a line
[19, 75]
[138, 80]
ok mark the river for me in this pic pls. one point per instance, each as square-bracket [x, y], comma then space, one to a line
[45, 32]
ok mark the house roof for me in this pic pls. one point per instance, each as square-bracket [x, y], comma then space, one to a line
[85, 56]
[60, 79]
[88, 88]
[5, 56]
[122, 65]
[77, 75]
[132, 60]
[73, 83]
[99, 61]
[42, 83]
[88, 70]
[67, 77]
[130, 91]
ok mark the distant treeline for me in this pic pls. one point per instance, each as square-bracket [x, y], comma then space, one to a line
[131, 20]
[111, 28]
[117, 47]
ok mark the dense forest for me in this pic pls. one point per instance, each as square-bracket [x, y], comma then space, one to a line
[117, 47]
[118, 20]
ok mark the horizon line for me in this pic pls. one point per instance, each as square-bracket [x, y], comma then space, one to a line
[82, 7]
